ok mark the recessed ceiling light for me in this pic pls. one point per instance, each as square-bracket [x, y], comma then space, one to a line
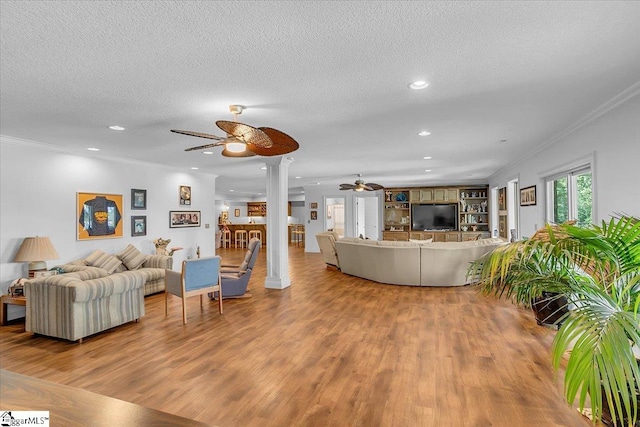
[194, 168]
[427, 157]
[93, 149]
[116, 127]
[207, 152]
[418, 84]
[231, 191]
[317, 183]
[298, 177]
[427, 170]
[264, 168]
[424, 133]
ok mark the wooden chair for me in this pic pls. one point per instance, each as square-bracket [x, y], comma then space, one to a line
[199, 276]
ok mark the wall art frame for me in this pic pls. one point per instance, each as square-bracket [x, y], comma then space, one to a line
[528, 196]
[138, 225]
[138, 199]
[185, 195]
[314, 215]
[99, 216]
[182, 219]
[313, 205]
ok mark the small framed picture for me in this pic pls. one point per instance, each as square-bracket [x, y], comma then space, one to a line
[314, 215]
[528, 196]
[180, 219]
[185, 195]
[236, 213]
[502, 199]
[313, 205]
[138, 199]
[138, 226]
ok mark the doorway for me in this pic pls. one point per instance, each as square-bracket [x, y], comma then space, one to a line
[334, 207]
[367, 217]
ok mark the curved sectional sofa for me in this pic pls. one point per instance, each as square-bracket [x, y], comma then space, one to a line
[410, 263]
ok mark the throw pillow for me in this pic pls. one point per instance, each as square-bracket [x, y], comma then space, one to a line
[107, 262]
[421, 242]
[132, 257]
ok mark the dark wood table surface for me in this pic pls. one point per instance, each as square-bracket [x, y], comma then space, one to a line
[69, 406]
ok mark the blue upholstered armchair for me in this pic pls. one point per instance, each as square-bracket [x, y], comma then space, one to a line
[235, 278]
[199, 276]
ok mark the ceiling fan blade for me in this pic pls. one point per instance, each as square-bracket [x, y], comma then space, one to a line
[281, 143]
[246, 133]
[373, 187]
[348, 187]
[198, 134]
[202, 147]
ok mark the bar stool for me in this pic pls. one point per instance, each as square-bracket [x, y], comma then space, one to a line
[241, 238]
[255, 234]
[226, 239]
[298, 234]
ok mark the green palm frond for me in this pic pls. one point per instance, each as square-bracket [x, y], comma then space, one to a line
[597, 269]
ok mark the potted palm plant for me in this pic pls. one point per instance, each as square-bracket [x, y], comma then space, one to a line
[597, 271]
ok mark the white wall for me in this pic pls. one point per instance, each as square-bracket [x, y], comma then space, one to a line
[38, 197]
[613, 140]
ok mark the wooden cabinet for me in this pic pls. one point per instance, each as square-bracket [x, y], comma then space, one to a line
[434, 195]
[256, 208]
[421, 235]
[421, 195]
[260, 209]
[395, 235]
[445, 195]
[473, 212]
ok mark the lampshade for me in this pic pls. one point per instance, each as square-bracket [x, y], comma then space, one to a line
[35, 251]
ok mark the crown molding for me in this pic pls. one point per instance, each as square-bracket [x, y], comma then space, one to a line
[41, 146]
[611, 104]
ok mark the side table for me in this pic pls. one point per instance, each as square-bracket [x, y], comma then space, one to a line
[8, 299]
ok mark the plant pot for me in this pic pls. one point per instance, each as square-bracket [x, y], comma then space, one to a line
[549, 309]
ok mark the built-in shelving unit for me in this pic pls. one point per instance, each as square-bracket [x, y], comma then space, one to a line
[474, 209]
[473, 212]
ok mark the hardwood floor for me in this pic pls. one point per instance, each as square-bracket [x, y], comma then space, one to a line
[331, 350]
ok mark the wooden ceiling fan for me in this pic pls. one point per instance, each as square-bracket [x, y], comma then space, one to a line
[361, 186]
[243, 140]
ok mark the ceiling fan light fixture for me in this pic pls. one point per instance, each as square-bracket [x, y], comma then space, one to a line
[359, 189]
[235, 147]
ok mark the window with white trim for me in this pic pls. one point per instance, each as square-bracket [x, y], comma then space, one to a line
[570, 196]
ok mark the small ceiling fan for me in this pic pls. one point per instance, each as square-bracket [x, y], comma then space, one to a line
[243, 140]
[361, 186]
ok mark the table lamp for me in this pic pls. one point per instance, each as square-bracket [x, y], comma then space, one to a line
[35, 251]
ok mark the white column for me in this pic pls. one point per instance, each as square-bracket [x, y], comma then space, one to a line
[277, 213]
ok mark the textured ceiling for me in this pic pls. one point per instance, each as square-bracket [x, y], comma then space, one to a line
[333, 75]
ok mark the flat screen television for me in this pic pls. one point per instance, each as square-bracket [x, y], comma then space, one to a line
[434, 217]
